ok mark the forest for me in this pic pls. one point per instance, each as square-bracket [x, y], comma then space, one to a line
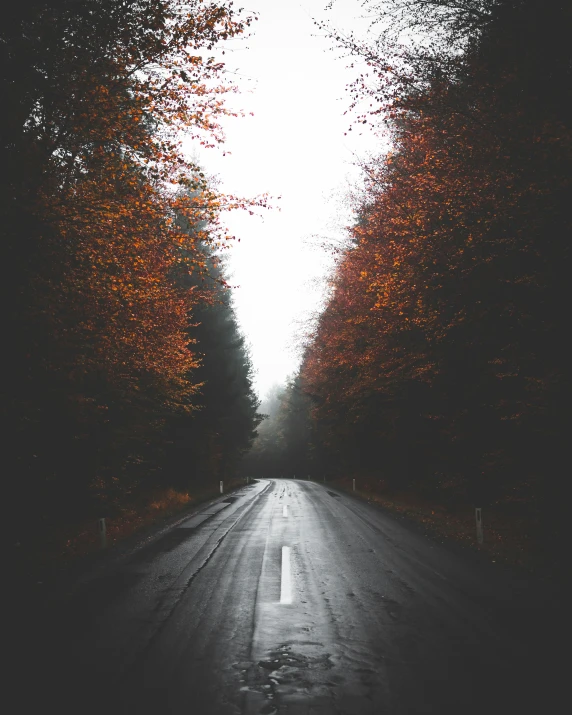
[127, 379]
[440, 364]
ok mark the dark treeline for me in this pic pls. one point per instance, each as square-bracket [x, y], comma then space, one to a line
[441, 362]
[212, 442]
[124, 365]
[283, 439]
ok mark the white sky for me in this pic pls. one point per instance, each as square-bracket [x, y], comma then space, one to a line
[294, 147]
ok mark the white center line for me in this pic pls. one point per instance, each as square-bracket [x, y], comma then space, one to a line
[285, 510]
[286, 585]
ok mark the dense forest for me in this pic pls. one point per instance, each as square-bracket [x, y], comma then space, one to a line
[441, 362]
[125, 370]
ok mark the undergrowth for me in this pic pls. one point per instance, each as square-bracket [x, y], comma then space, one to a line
[510, 529]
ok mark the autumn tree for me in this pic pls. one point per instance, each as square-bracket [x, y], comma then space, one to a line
[98, 327]
[442, 347]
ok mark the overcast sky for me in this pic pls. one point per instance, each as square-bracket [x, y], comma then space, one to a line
[294, 147]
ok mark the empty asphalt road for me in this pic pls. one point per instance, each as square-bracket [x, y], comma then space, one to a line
[289, 597]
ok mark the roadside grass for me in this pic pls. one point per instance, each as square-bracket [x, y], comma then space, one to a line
[510, 527]
[64, 544]
[127, 520]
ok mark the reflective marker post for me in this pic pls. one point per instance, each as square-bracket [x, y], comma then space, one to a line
[221, 490]
[102, 532]
[479, 520]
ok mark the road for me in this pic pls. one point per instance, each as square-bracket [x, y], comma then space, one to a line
[290, 597]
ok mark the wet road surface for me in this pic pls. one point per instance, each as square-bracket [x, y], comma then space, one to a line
[292, 598]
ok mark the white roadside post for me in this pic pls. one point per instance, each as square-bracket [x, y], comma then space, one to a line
[354, 484]
[479, 520]
[102, 532]
[221, 489]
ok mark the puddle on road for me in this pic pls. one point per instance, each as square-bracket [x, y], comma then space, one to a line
[287, 676]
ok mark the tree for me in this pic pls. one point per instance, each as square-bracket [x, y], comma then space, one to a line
[97, 94]
[443, 337]
[209, 442]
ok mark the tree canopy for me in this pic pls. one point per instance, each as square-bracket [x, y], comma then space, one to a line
[440, 361]
[103, 336]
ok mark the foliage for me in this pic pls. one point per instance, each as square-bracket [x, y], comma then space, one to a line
[101, 345]
[440, 361]
[282, 444]
[211, 440]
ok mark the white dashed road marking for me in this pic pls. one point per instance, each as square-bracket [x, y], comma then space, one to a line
[286, 585]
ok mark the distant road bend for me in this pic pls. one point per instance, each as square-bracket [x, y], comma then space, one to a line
[289, 597]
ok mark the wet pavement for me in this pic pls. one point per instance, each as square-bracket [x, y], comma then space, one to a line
[365, 616]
